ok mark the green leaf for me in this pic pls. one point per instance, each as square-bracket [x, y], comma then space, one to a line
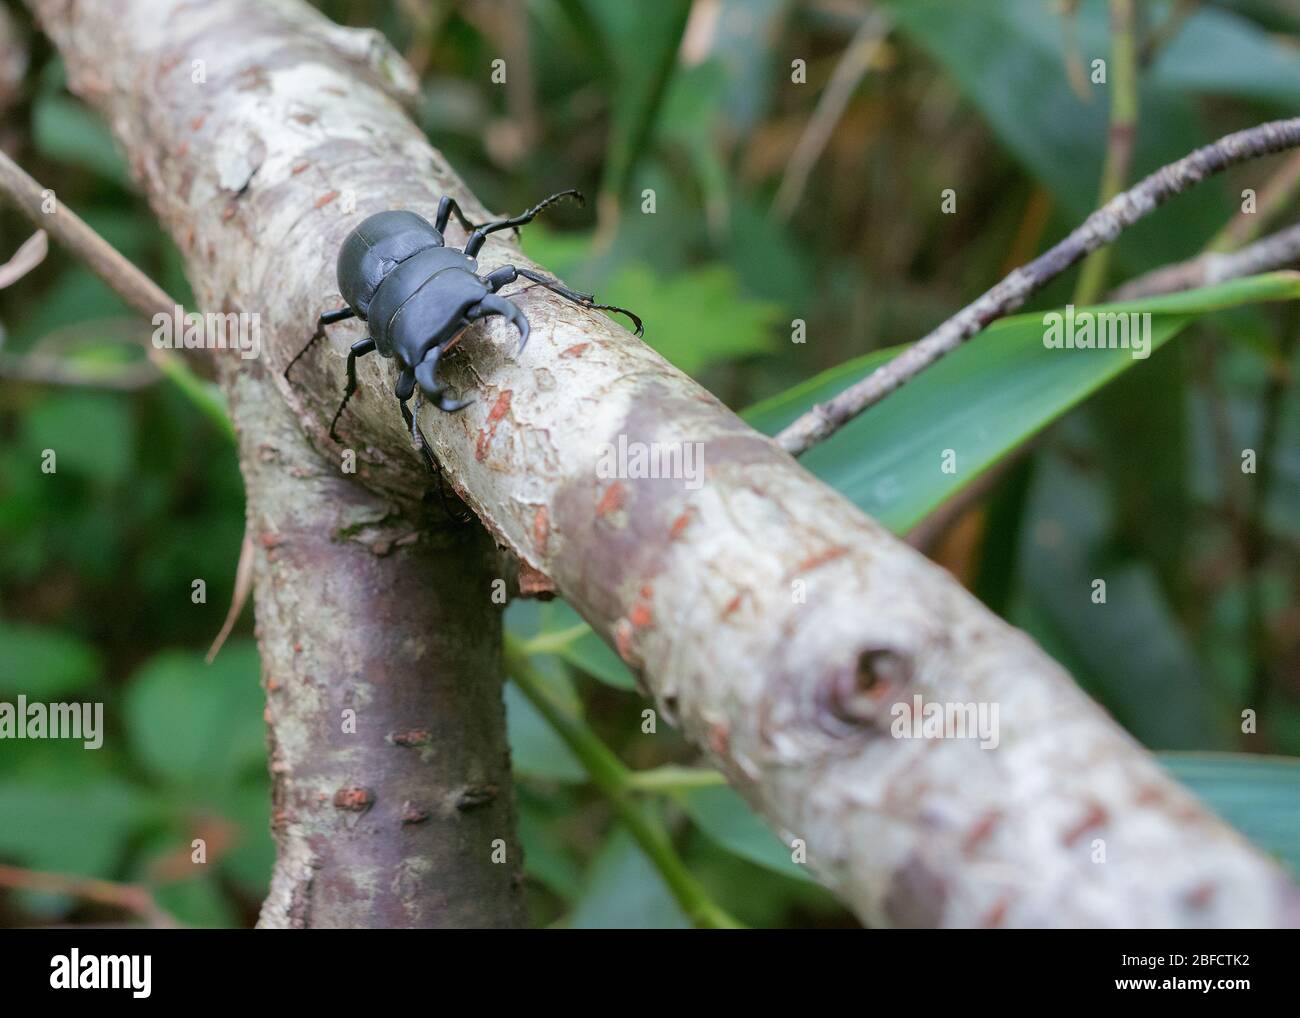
[555, 628]
[548, 856]
[80, 827]
[1131, 653]
[700, 318]
[92, 434]
[730, 822]
[647, 38]
[198, 726]
[1217, 52]
[624, 891]
[535, 749]
[983, 400]
[198, 902]
[1008, 58]
[66, 131]
[1258, 795]
[44, 664]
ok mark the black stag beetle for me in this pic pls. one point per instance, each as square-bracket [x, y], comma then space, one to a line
[396, 273]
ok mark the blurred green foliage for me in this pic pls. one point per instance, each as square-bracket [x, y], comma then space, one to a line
[695, 103]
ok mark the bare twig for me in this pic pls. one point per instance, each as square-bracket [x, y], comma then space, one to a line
[243, 587]
[61, 371]
[853, 65]
[1278, 251]
[1102, 227]
[131, 897]
[43, 208]
[29, 255]
[1277, 194]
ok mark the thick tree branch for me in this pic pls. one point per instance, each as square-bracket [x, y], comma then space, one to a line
[393, 803]
[771, 619]
[1100, 228]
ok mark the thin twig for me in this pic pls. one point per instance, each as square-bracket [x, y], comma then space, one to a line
[126, 280]
[1102, 227]
[1278, 251]
[61, 371]
[853, 65]
[30, 254]
[243, 587]
[131, 897]
[1274, 198]
[70, 230]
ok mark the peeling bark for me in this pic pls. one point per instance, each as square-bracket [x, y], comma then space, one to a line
[698, 588]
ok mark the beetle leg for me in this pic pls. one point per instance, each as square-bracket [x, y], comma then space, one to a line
[413, 426]
[586, 300]
[359, 349]
[405, 384]
[417, 439]
[479, 236]
[328, 318]
[433, 466]
[447, 208]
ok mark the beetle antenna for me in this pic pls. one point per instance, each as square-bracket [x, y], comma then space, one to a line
[479, 236]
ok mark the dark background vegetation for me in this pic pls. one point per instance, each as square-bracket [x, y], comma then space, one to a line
[1140, 484]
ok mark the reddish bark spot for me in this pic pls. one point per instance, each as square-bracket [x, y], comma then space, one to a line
[499, 409]
[821, 558]
[612, 501]
[411, 815]
[719, 739]
[623, 641]
[679, 525]
[228, 213]
[534, 582]
[325, 199]
[541, 529]
[732, 606]
[415, 737]
[197, 123]
[272, 683]
[641, 615]
[1201, 895]
[297, 648]
[182, 149]
[300, 167]
[305, 118]
[577, 350]
[271, 540]
[1095, 817]
[982, 828]
[997, 915]
[354, 800]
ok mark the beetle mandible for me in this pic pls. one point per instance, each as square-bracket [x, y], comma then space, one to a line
[396, 273]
